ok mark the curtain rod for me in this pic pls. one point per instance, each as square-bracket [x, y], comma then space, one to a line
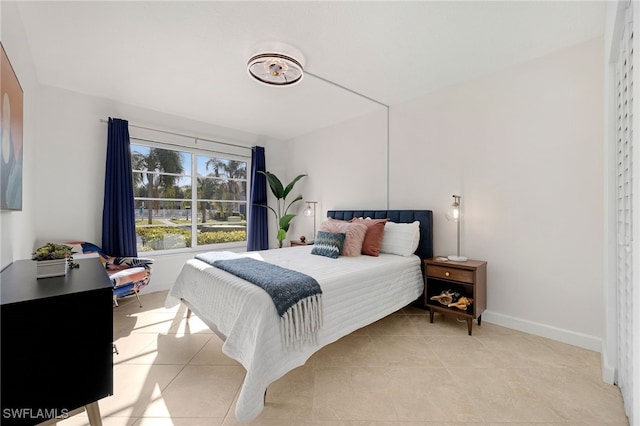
[183, 135]
[217, 151]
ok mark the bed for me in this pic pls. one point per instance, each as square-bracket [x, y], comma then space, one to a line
[356, 291]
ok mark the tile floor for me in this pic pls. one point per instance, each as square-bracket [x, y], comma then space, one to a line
[401, 370]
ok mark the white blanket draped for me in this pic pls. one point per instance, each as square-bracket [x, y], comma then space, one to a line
[356, 292]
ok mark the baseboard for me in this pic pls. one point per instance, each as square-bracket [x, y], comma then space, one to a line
[608, 369]
[543, 330]
[554, 333]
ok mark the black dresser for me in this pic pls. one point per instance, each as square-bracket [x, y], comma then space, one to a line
[56, 342]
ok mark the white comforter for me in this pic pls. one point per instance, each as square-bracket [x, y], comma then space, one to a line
[356, 292]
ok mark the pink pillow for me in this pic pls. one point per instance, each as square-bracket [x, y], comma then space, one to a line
[373, 237]
[355, 233]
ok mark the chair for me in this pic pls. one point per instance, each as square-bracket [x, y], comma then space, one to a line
[129, 275]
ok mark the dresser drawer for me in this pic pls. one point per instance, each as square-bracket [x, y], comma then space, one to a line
[450, 273]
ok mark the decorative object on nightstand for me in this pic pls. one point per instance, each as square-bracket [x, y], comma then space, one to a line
[301, 242]
[456, 288]
[455, 214]
[309, 212]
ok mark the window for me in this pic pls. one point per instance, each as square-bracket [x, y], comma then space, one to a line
[187, 197]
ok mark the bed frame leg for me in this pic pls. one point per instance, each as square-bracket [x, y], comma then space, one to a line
[188, 313]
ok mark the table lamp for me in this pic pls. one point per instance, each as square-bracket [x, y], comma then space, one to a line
[311, 212]
[455, 214]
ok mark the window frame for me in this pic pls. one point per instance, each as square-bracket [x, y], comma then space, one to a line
[195, 151]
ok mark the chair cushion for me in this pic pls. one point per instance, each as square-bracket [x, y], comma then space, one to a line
[119, 263]
[139, 277]
[123, 291]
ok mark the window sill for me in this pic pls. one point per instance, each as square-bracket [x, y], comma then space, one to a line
[193, 250]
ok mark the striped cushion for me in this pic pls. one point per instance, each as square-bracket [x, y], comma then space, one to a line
[328, 244]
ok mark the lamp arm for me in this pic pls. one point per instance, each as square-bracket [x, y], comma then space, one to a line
[314, 221]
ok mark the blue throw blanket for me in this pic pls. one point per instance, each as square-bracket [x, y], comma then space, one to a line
[296, 296]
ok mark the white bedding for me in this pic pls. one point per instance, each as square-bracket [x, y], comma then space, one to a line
[356, 292]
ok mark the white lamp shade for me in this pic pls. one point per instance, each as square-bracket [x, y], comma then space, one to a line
[453, 214]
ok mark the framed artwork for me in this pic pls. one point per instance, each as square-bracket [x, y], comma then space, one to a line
[11, 111]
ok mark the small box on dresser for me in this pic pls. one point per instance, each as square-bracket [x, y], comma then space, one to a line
[467, 278]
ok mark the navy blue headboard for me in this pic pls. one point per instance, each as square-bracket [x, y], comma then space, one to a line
[425, 217]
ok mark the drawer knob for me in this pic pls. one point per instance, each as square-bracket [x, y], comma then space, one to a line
[446, 274]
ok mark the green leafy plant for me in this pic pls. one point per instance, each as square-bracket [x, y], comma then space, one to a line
[52, 251]
[283, 217]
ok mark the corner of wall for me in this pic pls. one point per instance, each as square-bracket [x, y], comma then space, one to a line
[608, 369]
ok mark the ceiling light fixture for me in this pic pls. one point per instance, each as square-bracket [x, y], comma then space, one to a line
[276, 64]
[276, 67]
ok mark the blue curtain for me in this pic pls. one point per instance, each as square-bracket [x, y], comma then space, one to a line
[257, 232]
[118, 214]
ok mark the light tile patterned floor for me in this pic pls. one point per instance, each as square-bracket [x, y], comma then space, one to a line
[401, 370]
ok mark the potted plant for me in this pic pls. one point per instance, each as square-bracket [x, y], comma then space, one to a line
[283, 217]
[52, 260]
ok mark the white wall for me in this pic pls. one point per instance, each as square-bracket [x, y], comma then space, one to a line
[524, 149]
[346, 166]
[17, 228]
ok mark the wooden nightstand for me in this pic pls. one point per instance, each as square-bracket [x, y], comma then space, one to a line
[300, 243]
[467, 278]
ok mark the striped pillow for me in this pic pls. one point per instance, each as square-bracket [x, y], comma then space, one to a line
[328, 244]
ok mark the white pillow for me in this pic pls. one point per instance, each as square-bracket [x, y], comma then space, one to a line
[400, 238]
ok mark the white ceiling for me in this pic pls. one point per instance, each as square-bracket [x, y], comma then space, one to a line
[189, 58]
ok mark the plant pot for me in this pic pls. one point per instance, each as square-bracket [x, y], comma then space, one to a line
[51, 268]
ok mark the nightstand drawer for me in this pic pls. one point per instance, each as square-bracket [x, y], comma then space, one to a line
[450, 273]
